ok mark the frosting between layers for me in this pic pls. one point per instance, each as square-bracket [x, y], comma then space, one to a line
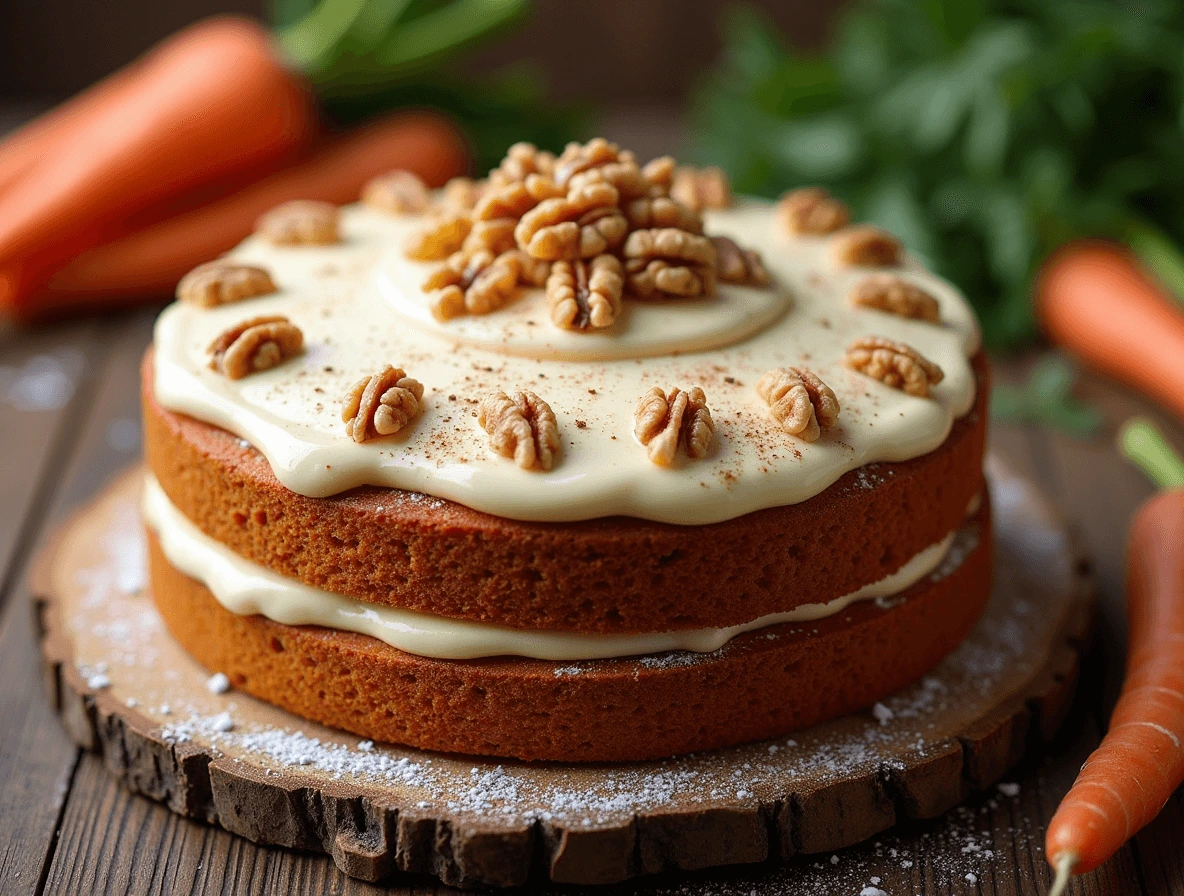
[359, 310]
[245, 587]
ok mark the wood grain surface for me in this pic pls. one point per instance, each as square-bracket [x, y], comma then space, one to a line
[472, 821]
[67, 826]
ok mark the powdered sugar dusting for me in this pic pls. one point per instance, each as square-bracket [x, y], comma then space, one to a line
[144, 668]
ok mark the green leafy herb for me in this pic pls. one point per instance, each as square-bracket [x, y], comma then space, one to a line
[984, 133]
[368, 56]
[1047, 400]
[1145, 447]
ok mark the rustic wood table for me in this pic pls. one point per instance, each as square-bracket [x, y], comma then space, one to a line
[69, 420]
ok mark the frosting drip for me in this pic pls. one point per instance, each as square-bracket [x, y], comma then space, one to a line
[244, 587]
[359, 310]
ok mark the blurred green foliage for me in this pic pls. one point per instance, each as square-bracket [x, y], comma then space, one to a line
[1046, 399]
[982, 132]
[368, 56]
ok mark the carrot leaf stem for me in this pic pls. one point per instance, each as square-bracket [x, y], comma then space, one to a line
[1143, 444]
[1160, 255]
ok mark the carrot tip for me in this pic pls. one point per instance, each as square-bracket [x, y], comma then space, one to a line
[1064, 866]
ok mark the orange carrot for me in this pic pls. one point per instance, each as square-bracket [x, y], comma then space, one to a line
[1096, 301]
[210, 101]
[23, 148]
[149, 263]
[1140, 762]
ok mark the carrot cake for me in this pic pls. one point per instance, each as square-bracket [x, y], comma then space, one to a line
[583, 461]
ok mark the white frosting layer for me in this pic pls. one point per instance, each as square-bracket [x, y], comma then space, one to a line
[244, 587]
[360, 308]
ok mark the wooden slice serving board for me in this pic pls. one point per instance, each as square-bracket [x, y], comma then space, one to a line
[124, 689]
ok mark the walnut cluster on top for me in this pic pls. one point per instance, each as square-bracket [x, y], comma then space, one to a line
[591, 226]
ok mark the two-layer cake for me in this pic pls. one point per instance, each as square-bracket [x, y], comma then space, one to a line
[583, 461]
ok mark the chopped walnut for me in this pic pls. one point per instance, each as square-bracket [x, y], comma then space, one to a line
[867, 246]
[523, 427]
[802, 403]
[496, 235]
[440, 238]
[521, 161]
[255, 345]
[887, 292]
[583, 294]
[736, 265]
[473, 283]
[665, 262]
[662, 421]
[533, 271]
[661, 211]
[399, 192]
[660, 173]
[626, 177]
[515, 199]
[894, 364]
[811, 210]
[461, 194]
[222, 282]
[302, 222]
[700, 188]
[583, 224]
[381, 404]
[578, 157]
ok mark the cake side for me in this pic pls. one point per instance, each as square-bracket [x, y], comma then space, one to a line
[611, 575]
[759, 685]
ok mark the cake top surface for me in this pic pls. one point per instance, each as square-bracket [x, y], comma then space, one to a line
[509, 413]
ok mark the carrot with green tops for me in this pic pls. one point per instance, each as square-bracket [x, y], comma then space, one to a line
[210, 101]
[1096, 301]
[1140, 762]
[149, 263]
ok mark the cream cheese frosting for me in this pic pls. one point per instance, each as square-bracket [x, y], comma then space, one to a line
[245, 587]
[360, 308]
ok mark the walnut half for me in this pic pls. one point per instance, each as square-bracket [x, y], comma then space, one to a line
[887, 292]
[802, 403]
[475, 282]
[302, 222]
[441, 237]
[700, 188]
[894, 364]
[255, 345]
[523, 427]
[867, 246]
[736, 265]
[811, 211]
[583, 224]
[398, 192]
[668, 262]
[222, 282]
[663, 420]
[583, 294]
[381, 404]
